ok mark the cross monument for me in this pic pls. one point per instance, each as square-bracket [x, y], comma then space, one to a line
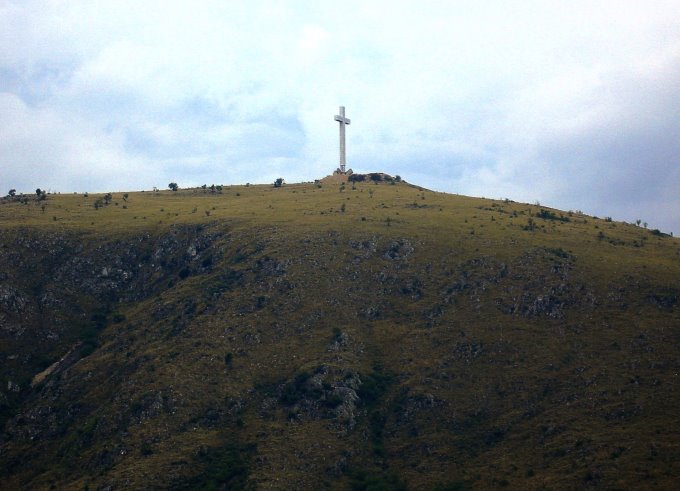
[343, 121]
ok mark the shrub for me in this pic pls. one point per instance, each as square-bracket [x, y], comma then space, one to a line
[559, 252]
[295, 390]
[531, 225]
[173, 186]
[373, 387]
[226, 468]
[362, 480]
[549, 215]
[146, 449]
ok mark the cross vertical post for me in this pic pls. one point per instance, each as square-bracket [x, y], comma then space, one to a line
[340, 118]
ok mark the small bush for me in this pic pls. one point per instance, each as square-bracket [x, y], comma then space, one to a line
[226, 468]
[530, 226]
[362, 480]
[373, 387]
[549, 215]
[146, 449]
[559, 252]
[295, 390]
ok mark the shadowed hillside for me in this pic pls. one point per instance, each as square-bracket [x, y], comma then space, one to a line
[344, 335]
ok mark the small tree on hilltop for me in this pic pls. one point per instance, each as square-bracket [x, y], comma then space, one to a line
[12, 193]
[278, 183]
[173, 186]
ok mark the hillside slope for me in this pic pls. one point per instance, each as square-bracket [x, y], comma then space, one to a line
[334, 335]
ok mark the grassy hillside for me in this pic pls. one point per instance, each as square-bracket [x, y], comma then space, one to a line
[334, 335]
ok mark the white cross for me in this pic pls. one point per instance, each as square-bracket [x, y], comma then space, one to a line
[343, 121]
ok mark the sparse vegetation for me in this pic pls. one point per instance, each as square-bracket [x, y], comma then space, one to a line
[355, 355]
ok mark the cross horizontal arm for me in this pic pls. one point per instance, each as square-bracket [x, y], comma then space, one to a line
[343, 120]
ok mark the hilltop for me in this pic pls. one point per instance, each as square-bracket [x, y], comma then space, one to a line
[343, 335]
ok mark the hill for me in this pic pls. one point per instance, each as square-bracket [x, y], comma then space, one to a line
[341, 335]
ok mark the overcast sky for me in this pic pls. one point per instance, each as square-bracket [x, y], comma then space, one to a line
[575, 104]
